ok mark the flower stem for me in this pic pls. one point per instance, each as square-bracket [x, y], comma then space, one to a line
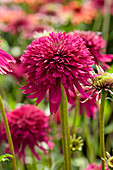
[65, 134]
[88, 140]
[97, 23]
[34, 163]
[101, 124]
[68, 130]
[8, 133]
[75, 117]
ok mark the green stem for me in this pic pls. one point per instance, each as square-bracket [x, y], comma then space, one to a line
[34, 164]
[75, 117]
[88, 140]
[101, 124]
[49, 159]
[8, 133]
[68, 131]
[97, 23]
[64, 132]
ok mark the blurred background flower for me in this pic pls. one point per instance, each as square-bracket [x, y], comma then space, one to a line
[29, 126]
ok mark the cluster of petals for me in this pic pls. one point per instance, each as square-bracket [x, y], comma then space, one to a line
[29, 126]
[17, 69]
[52, 60]
[96, 45]
[90, 105]
[94, 166]
[5, 58]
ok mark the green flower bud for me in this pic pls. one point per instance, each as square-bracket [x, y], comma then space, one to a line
[76, 143]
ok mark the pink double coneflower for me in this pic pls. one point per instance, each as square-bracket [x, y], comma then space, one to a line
[94, 166]
[52, 60]
[29, 126]
[90, 105]
[96, 45]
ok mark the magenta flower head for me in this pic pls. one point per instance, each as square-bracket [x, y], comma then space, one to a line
[52, 60]
[94, 166]
[96, 45]
[29, 127]
[5, 58]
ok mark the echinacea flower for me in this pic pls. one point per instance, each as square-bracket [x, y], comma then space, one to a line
[90, 105]
[29, 126]
[18, 25]
[29, 32]
[8, 14]
[101, 81]
[80, 12]
[94, 166]
[96, 45]
[52, 60]
[37, 1]
[5, 58]
[50, 13]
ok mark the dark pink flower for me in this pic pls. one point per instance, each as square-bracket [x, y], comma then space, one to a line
[56, 117]
[29, 127]
[31, 29]
[96, 45]
[94, 166]
[5, 58]
[50, 13]
[17, 69]
[52, 60]
[90, 105]
[17, 25]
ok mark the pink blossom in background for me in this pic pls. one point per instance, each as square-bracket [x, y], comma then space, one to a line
[80, 12]
[50, 13]
[5, 58]
[56, 117]
[96, 45]
[29, 126]
[8, 14]
[17, 25]
[29, 32]
[91, 107]
[53, 59]
[94, 166]
[99, 4]
[37, 1]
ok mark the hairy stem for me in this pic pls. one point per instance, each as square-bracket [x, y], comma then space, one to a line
[101, 124]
